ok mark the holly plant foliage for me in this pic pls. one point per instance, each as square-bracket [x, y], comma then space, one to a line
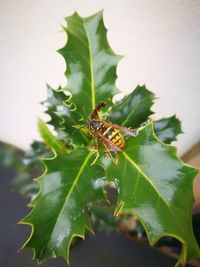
[153, 184]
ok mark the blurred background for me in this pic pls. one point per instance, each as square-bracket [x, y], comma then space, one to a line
[160, 41]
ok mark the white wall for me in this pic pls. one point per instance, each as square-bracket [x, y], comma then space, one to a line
[159, 38]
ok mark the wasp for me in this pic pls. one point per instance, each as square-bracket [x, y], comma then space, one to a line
[107, 132]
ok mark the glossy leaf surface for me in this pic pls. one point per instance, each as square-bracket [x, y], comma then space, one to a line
[134, 109]
[91, 63]
[63, 116]
[60, 210]
[55, 99]
[167, 129]
[152, 182]
[156, 186]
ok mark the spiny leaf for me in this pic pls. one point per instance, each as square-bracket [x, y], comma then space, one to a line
[54, 101]
[134, 109]
[60, 210]
[63, 116]
[31, 166]
[167, 129]
[91, 63]
[32, 156]
[152, 182]
[156, 186]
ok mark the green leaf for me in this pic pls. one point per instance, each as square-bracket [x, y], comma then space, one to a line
[55, 101]
[49, 139]
[167, 129]
[134, 109]
[91, 63]
[25, 165]
[31, 158]
[156, 186]
[60, 210]
[63, 116]
[29, 166]
[152, 182]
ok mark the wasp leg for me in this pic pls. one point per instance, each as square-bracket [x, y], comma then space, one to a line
[112, 154]
[97, 142]
[95, 112]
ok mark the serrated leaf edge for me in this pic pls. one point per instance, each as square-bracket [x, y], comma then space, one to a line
[183, 255]
[72, 108]
[31, 204]
[180, 132]
[66, 30]
[153, 98]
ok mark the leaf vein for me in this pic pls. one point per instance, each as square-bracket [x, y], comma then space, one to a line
[73, 185]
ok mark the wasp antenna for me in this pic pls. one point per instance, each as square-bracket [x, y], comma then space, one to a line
[77, 129]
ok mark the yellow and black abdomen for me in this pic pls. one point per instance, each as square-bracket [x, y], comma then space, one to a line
[108, 132]
[113, 135]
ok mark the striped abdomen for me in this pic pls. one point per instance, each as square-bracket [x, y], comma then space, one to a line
[112, 134]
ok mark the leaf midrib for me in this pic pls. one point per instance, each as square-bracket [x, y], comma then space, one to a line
[179, 231]
[158, 193]
[71, 189]
[91, 67]
[133, 110]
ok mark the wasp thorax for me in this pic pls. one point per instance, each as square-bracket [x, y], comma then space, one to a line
[95, 124]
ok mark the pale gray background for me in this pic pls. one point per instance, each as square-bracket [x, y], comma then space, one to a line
[160, 40]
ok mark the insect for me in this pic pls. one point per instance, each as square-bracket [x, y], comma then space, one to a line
[108, 133]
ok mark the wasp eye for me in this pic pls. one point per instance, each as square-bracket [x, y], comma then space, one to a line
[95, 124]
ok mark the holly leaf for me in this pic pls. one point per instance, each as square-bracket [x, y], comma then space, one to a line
[152, 182]
[29, 167]
[167, 129]
[31, 158]
[60, 211]
[55, 100]
[134, 109]
[156, 186]
[91, 63]
[63, 116]
[26, 165]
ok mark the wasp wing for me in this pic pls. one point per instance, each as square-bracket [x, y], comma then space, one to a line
[126, 130]
[106, 141]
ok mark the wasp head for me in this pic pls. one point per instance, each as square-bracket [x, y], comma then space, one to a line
[95, 124]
